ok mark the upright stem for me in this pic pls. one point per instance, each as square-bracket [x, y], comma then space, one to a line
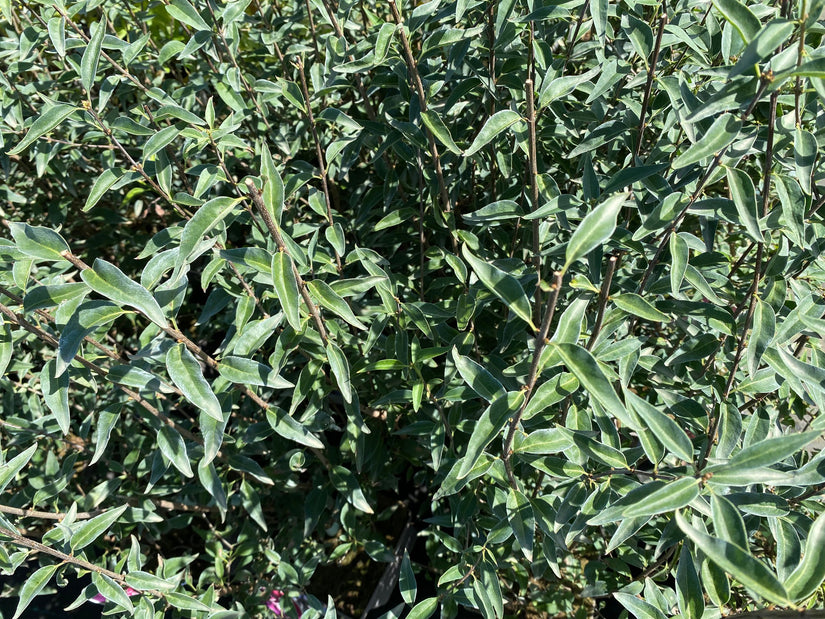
[422, 101]
[533, 173]
[541, 342]
[650, 75]
[319, 152]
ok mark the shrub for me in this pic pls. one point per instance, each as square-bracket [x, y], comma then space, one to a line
[520, 299]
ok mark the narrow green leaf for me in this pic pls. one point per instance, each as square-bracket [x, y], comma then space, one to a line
[11, 468]
[340, 369]
[101, 185]
[286, 288]
[727, 521]
[47, 121]
[744, 197]
[56, 394]
[638, 607]
[550, 392]
[479, 379]
[721, 133]
[673, 495]
[665, 429]
[90, 530]
[207, 217]
[184, 12]
[740, 564]
[291, 429]
[522, 520]
[772, 450]
[180, 600]
[740, 17]
[489, 426]
[639, 306]
[38, 242]
[144, 581]
[171, 445]
[273, 194]
[87, 317]
[243, 371]
[544, 441]
[187, 375]
[806, 579]
[764, 327]
[768, 39]
[679, 254]
[804, 152]
[689, 594]
[91, 55]
[503, 285]
[112, 591]
[597, 226]
[159, 141]
[406, 580]
[497, 123]
[346, 483]
[34, 584]
[424, 609]
[437, 127]
[108, 280]
[590, 375]
[330, 300]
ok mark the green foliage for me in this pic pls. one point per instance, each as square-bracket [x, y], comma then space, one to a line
[535, 284]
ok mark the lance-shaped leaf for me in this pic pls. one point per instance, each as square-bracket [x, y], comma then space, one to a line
[273, 193]
[346, 483]
[772, 450]
[809, 574]
[291, 429]
[497, 123]
[728, 522]
[522, 520]
[478, 378]
[34, 584]
[596, 227]
[739, 563]
[90, 530]
[741, 18]
[340, 369]
[209, 215]
[112, 591]
[769, 38]
[688, 587]
[406, 580]
[764, 328]
[184, 12]
[38, 242]
[10, 469]
[804, 152]
[744, 197]
[423, 610]
[91, 55]
[585, 367]
[108, 280]
[488, 426]
[665, 429]
[638, 607]
[286, 288]
[56, 394]
[332, 301]
[47, 121]
[639, 306]
[503, 285]
[144, 581]
[243, 371]
[102, 184]
[186, 373]
[437, 127]
[721, 133]
[171, 445]
[86, 318]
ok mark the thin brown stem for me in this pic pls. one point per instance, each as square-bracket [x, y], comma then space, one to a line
[604, 293]
[541, 342]
[649, 85]
[533, 172]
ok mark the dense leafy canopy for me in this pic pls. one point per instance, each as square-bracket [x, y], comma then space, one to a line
[535, 284]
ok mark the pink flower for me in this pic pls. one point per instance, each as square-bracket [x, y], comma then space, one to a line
[274, 602]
